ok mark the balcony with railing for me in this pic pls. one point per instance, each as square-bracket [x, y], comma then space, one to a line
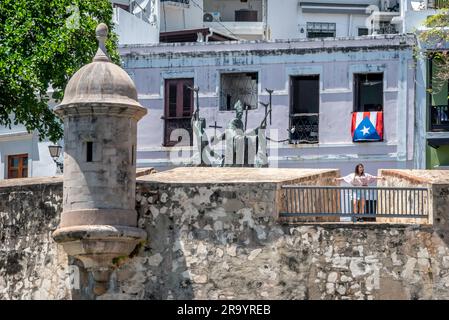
[335, 203]
[176, 3]
[304, 128]
[241, 19]
[383, 19]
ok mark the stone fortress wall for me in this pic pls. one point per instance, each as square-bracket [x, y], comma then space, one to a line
[216, 236]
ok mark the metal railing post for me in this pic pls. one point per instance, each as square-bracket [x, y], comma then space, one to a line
[378, 202]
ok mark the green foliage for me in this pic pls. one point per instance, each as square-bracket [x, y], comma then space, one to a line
[434, 39]
[42, 44]
[436, 32]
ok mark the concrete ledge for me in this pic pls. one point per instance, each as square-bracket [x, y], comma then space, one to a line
[204, 175]
[419, 176]
[8, 183]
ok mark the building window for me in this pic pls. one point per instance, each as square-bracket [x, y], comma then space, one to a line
[438, 97]
[89, 151]
[18, 166]
[437, 4]
[362, 32]
[321, 30]
[304, 109]
[241, 86]
[368, 92]
[178, 112]
[132, 155]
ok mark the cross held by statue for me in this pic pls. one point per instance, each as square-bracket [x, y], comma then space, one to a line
[215, 128]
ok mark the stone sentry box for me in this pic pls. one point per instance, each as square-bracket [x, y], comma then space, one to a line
[100, 113]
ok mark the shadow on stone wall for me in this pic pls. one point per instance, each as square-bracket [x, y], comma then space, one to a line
[158, 271]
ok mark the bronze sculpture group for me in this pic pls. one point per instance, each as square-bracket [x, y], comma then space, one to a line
[242, 147]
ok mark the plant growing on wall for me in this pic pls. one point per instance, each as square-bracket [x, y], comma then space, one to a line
[42, 43]
[434, 40]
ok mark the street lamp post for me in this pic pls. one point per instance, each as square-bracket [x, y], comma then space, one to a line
[55, 153]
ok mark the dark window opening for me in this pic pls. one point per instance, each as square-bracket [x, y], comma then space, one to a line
[321, 30]
[241, 86]
[363, 32]
[186, 100]
[17, 166]
[368, 92]
[304, 109]
[438, 97]
[178, 111]
[172, 99]
[132, 155]
[89, 151]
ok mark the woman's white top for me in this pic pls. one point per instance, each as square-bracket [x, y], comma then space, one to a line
[358, 181]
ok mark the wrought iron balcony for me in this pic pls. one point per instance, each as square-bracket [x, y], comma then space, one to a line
[179, 1]
[304, 128]
[176, 3]
[439, 118]
[437, 4]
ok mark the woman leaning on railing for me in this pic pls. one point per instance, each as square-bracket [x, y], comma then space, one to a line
[359, 179]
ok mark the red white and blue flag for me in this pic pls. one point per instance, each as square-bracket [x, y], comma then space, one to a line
[367, 126]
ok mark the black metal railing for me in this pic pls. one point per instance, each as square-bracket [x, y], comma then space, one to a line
[354, 202]
[439, 118]
[179, 1]
[386, 29]
[304, 128]
[437, 4]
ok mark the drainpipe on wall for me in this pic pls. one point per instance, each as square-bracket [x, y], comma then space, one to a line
[349, 25]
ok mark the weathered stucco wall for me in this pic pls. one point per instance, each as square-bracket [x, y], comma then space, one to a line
[217, 241]
[31, 264]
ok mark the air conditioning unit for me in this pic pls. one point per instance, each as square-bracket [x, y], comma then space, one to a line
[212, 16]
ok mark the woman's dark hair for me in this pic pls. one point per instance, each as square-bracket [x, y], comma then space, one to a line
[356, 171]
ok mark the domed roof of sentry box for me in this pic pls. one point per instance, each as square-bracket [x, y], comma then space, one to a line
[100, 82]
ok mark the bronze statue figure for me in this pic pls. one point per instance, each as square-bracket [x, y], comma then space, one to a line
[243, 148]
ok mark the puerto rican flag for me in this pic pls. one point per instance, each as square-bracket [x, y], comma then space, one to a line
[367, 126]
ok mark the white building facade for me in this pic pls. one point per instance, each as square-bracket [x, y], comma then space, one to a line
[23, 155]
[317, 57]
[323, 74]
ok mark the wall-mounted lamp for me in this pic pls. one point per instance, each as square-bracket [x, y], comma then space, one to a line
[55, 153]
